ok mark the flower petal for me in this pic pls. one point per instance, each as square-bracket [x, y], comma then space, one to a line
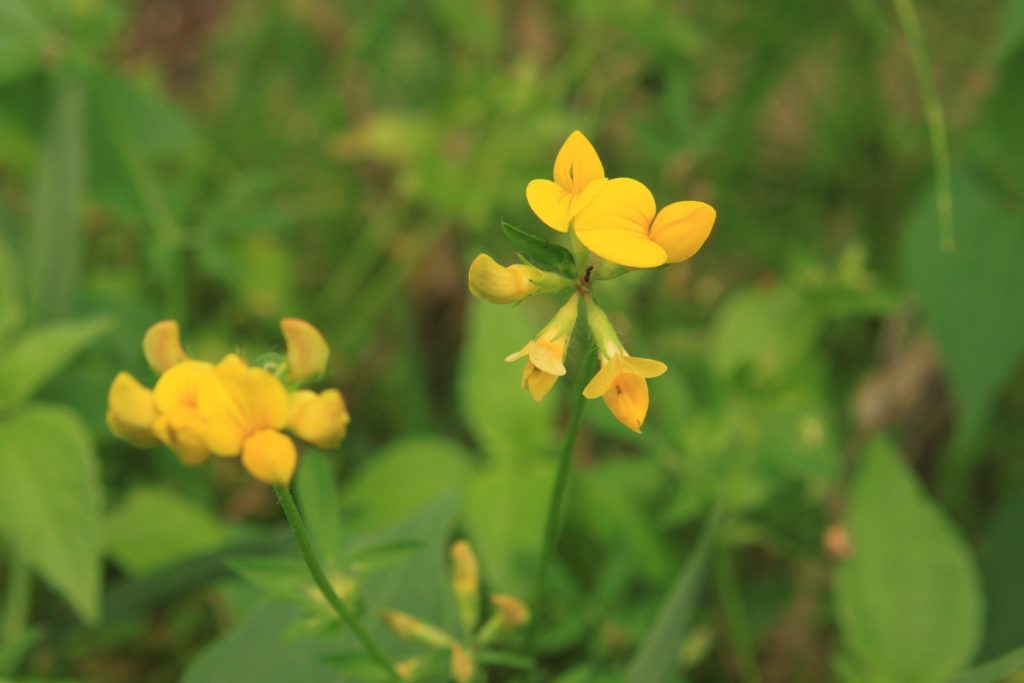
[643, 367]
[577, 163]
[320, 419]
[604, 379]
[624, 247]
[547, 357]
[131, 410]
[682, 228]
[307, 350]
[551, 202]
[628, 399]
[162, 346]
[622, 204]
[270, 456]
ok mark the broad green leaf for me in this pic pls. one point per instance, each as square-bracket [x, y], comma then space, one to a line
[404, 477]
[658, 656]
[504, 512]
[21, 39]
[50, 501]
[908, 599]
[155, 527]
[41, 353]
[317, 493]
[508, 424]
[971, 297]
[54, 243]
[541, 252]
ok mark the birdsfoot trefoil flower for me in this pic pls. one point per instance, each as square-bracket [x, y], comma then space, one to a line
[545, 354]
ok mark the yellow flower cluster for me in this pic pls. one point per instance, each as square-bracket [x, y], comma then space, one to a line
[616, 220]
[230, 408]
[508, 614]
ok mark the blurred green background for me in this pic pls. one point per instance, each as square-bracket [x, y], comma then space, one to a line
[845, 392]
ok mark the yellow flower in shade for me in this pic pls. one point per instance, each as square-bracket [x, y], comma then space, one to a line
[578, 177]
[245, 410]
[500, 284]
[545, 354]
[131, 411]
[307, 350]
[621, 224]
[178, 423]
[162, 346]
[622, 379]
[320, 419]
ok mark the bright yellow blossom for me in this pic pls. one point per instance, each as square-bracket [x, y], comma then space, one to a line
[131, 411]
[578, 177]
[622, 379]
[500, 284]
[622, 224]
[307, 350]
[179, 425]
[162, 346]
[546, 353]
[320, 419]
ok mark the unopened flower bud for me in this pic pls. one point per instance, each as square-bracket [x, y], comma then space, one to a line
[462, 666]
[500, 284]
[466, 584]
[408, 626]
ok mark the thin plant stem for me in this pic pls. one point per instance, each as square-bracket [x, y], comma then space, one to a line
[934, 117]
[316, 570]
[558, 491]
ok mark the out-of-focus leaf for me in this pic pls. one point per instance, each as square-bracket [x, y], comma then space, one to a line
[37, 356]
[1012, 28]
[1002, 565]
[995, 670]
[658, 656]
[54, 243]
[10, 301]
[540, 252]
[154, 527]
[21, 39]
[509, 425]
[971, 297]
[404, 477]
[321, 507]
[50, 501]
[908, 599]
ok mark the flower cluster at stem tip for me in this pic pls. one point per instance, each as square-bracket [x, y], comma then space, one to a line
[615, 220]
[231, 408]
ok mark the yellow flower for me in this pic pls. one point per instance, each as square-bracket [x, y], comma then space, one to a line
[622, 379]
[461, 666]
[621, 224]
[307, 350]
[162, 346]
[546, 353]
[320, 419]
[466, 584]
[131, 411]
[500, 284]
[514, 611]
[179, 424]
[578, 176]
[245, 408]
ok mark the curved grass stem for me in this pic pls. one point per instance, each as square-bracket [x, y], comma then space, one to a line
[316, 570]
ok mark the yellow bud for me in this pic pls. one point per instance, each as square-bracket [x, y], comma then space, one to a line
[270, 456]
[320, 419]
[407, 668]
[466, 584]
[513, 610]
[162, 346]
[500, 284]
[546, 353]
[462, 667]
[408, 626]
[131, 411]
[307, 350]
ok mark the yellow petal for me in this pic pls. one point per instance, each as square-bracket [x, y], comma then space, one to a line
[491, 281]
[628, 400]
[577, 163]
[624, 247]
[547, 356]
[551, 203]
[512, 357]
[682, 228]
[162, 346]
[465, 570]
[643, 367]
[236, 401]
[306, 348]
[131, 410]
[622, 204]
[270, 456]
[604, 378]
[538, 382]
[320, 419]
[183, 431]
[461, 666]
[179, 386]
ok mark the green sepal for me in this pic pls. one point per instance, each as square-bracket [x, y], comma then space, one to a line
[540, 252]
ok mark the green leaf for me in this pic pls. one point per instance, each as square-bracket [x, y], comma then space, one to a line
[908, 600]
[658, 656]
[507, 423]
[1012, 28]
[10, 301]
[155, 527]
[21, 39]
[50, 501]
[995, 670]
[41, 353]
[540, 252]
[971, 297]
[321, 507]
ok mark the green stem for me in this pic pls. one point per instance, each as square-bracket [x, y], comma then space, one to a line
[316, 570]
[551, 527]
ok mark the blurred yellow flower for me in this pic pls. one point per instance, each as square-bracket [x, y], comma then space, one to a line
[461, 665]
[621, 224]
[131, 411]
[320, 419]
[179, 425]
[514, 612]
[500, 284]
[307, 350]
[545, 354]
[162, 346]
[578, 177]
